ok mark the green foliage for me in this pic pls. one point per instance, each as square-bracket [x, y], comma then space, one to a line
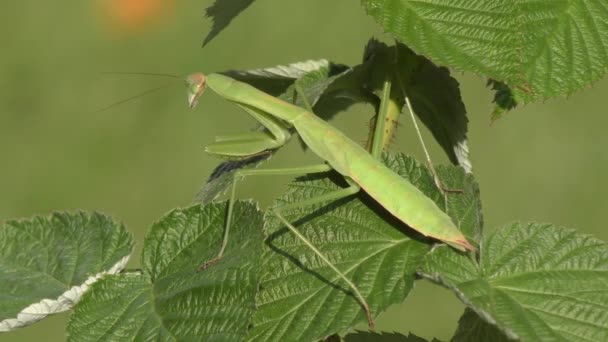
[170, 300]
[532, 282]
[364, 336]
[536, 282]
[46, 263]
[538, 49]
[472, 328]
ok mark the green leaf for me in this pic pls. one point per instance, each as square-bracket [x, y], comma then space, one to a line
[540, 49]
[533, 281]
[47, 263]
[436, 100]
[471, 328]
[303, 299]
[314, 77]
[504, 98]
[365, 336]
[222, 12]
[172, 300]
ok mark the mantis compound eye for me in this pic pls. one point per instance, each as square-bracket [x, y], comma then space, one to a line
[196, 86]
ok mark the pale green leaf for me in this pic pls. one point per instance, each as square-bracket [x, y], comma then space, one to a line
[533, 281]
[171, 300]
[47, 263]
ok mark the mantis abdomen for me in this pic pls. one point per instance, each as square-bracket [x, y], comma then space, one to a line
[394, 193]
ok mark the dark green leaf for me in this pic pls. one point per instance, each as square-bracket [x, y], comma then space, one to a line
[365, 336]
[222, 12]
[434, 95]
[471, 328]
[314, 77]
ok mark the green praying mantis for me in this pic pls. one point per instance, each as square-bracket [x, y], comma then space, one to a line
[361, 170]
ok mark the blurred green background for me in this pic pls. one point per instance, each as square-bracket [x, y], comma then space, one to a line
[544, 162]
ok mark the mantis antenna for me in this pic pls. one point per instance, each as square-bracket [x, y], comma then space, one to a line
[143, 93]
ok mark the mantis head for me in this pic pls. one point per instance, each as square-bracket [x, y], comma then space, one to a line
[196, 84]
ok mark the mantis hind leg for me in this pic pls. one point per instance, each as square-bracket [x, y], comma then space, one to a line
[332, 196]
[237, 177]
[336, 195]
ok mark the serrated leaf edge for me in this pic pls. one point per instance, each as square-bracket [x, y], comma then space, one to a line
[436, 278]
[37, 311]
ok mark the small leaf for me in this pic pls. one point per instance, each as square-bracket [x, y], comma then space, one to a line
[47, 263]
[533, 281]
[471, 328]
[504, 99]
[172, 300]
[222, 12]
[303, 299]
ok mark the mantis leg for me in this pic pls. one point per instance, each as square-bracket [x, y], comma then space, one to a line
[243, 173]
[352, 189]
[429, 162]
[438, 182]
[332, 196]
[244, 145]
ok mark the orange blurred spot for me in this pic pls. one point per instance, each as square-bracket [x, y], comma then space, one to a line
[134, 16]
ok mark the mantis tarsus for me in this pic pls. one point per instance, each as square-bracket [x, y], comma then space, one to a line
[361, 169]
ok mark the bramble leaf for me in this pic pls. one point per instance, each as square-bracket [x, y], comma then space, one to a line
[540, 49]
[303, 299]
[171, 300]
[471, 328]
[47, 263]
[533, 281]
